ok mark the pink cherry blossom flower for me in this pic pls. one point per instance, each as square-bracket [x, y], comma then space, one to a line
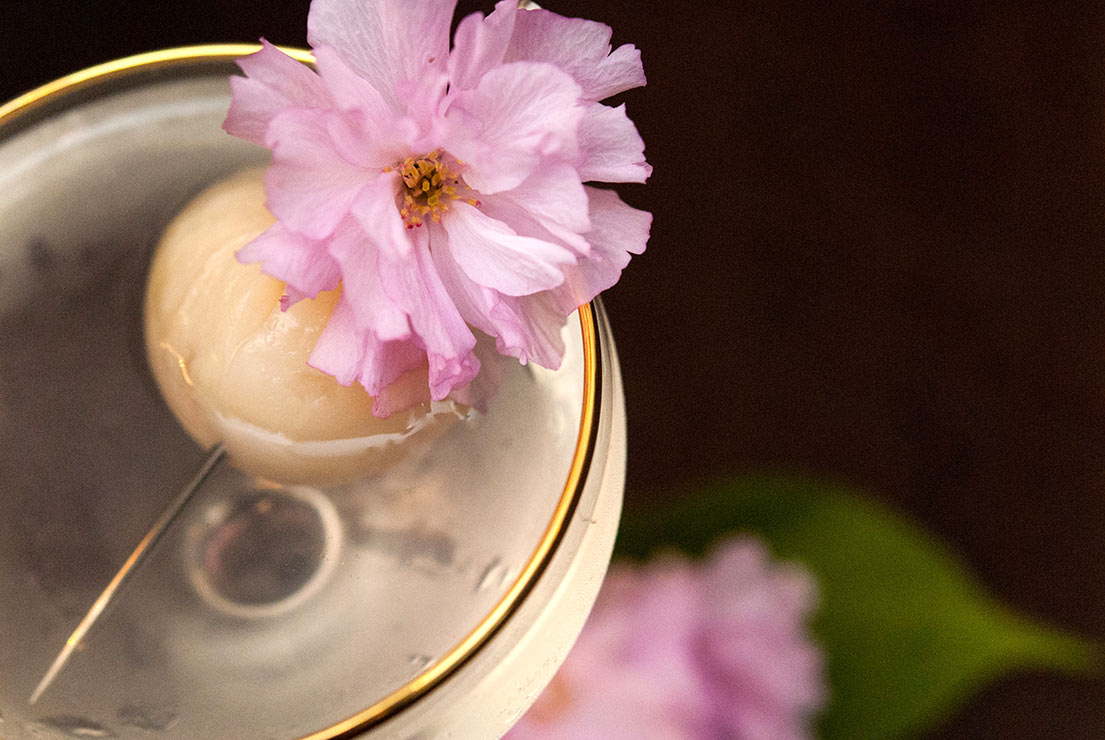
[712, 650]
[442, 188]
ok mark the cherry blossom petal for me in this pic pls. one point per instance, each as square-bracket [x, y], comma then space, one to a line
[376, 212]
[309, 186]
[357, 254]
[493, 369]
[479, 44]
[372, 149]
[473, 301]
[612, 149]
[369, 135]
[340, 348]
[389, 43]
[425, 101]
[580, 47]
[349, 90]
[493, 255]
[302, 263]
[530, 329]
[519, 115]
[274, 82]
[554, 197]
[406, 391]
[384, 363]
[646, 667]
[415, 284]
[518, 216]
[527, 328]
[619, 231]
[350, 355]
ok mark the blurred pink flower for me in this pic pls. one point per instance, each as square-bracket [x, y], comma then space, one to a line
[678, 650]
[443, 188]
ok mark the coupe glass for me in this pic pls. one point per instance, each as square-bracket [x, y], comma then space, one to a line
[433, 599]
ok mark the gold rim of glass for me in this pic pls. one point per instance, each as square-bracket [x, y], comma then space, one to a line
[20, 110]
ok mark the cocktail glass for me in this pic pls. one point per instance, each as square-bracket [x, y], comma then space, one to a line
[434, 598]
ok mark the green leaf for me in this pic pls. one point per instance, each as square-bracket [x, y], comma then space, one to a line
[908, 634]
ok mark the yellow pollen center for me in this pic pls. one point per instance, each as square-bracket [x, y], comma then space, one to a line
[429, 184]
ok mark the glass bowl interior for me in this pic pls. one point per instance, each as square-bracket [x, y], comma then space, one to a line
[267, 610]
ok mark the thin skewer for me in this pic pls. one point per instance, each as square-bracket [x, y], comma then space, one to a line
[132, 562]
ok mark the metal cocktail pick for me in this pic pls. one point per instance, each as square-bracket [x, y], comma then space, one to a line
[168, 516]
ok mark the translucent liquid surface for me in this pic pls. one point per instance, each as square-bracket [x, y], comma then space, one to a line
[266, 612]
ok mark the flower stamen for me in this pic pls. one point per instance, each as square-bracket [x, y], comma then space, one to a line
[429, 183]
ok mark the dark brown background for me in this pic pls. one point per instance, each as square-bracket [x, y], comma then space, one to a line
[878, 256]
